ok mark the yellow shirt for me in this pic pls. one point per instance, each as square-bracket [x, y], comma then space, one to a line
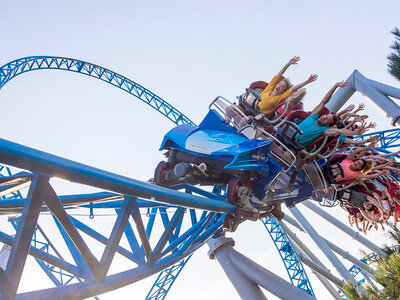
[269, 103]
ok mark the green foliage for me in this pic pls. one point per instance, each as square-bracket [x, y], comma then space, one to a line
[394, 57]
[387, 275]
[351, 292]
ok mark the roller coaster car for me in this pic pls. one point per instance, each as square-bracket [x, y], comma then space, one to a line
[248, 103]
[228, 149]
[215, 153]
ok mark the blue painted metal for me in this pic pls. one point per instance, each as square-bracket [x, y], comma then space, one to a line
[6, 172]
[165, 280]
[174, 244]
[293, 265]
[387, 139]
[23, 237]
[26, 64]
[19, 66]
[205, 227]
[37, 161]
[167, 277]
[57, 275]
[40, 241]
[355, 270]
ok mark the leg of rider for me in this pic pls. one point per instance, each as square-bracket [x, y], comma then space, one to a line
[299, 165]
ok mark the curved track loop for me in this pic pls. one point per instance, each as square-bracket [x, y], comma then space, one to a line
[22, 65]
[26, 64]
[175, 242]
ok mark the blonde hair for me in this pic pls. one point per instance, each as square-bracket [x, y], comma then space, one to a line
[288, 83]
[369, 164]
[298, 95]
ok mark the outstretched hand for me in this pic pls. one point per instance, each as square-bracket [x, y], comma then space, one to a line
[313, 77]
[294, 60]
[341, 84]
[374, 138]
[361, 129]
[372, 145]
[361, 106]
[371, 125]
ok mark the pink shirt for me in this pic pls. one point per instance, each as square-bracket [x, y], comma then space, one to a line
[347, 173]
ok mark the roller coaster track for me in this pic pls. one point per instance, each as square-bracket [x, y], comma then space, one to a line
[32, 63]
[127, 198]
[149, 254]
[22, 65]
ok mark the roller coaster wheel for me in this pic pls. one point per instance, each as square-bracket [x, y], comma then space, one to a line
[160, 174]
[229, 223]
[232, 190]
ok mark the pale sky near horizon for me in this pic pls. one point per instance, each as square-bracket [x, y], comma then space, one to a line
[187, 52]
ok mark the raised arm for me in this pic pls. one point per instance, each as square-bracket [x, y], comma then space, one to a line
[343, 131]
[360, 151]
[389, 154]
[348, 109]
[383, 165]
[310, 79]
[370, 176]
[327, 97]
[293, 61]
[360, 107]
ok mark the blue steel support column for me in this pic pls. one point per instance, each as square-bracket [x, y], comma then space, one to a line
[40, 241]
[165, 279]
[296, 272]
[54, 204]
[114, 239]
[26, 227]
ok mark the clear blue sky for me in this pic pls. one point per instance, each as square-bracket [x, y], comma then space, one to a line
[187, 52]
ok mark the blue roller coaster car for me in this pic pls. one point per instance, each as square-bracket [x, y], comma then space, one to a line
[226, 149]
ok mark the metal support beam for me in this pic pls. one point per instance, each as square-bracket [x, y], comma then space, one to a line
[375, 92]
[115, 237]
[239, 264]
[4, 255]
[246, 288]
[26, 227]
[317, 268]
[322, 245]
[44, 163]
[346, 255]
[355, 235]
[267, 279]
[301, 247]
[293, 265]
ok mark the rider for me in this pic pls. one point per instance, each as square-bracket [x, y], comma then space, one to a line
[315, 126]
[279, 89]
